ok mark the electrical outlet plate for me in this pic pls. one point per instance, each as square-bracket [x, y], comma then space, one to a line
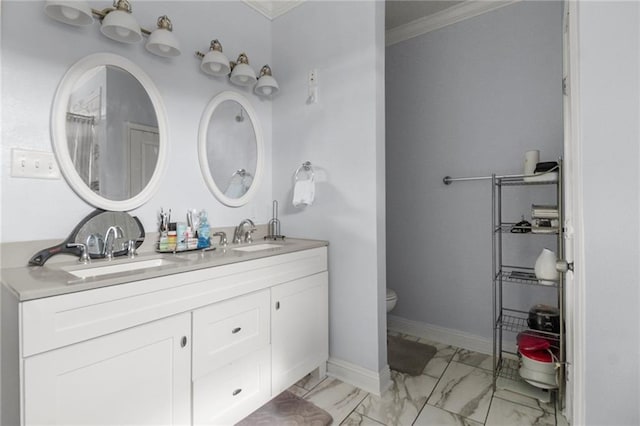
[34, 164]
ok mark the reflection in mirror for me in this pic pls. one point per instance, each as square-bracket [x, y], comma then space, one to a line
[112, 132]
[91, 232]
[230, 148]
[109, 131]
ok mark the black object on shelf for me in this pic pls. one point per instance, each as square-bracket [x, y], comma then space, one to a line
[545, 166]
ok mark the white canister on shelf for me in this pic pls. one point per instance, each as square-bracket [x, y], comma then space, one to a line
[531, 160]
[545, 267]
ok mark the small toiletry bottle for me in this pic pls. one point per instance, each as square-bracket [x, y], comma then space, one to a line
[163, 241]
[172, 237]
[163, 244]
[204, 231]
[181, 230]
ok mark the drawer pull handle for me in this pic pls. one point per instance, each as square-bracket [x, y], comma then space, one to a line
[236, 330]
[277, 305]
[183, 341]
[237, 391]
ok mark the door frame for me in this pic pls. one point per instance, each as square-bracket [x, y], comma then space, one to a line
[574, 224]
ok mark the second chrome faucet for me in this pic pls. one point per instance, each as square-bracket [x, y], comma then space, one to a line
[241, 235]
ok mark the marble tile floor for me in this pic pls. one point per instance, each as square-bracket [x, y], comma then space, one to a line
[454, 389]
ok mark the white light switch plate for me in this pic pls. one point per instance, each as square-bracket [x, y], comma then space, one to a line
[34, 164]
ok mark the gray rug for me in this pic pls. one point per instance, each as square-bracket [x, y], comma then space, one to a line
[408, 357]
[287, 409]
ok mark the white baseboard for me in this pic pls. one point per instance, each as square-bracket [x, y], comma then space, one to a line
[447, 336]
[370, 381]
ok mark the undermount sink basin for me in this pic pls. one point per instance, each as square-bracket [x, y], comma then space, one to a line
[114, 268]
[258, 247]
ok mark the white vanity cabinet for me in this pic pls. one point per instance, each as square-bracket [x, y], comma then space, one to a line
[204, 346]
[300, 329]
[141, 375]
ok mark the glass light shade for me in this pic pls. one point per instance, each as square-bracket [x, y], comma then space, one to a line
[243, 75]
[266, 86]
[215, 63]
[162, 42]
[70, 12]
[121, 26]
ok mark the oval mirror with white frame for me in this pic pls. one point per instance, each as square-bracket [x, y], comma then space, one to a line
[230, 148]
[110, 132]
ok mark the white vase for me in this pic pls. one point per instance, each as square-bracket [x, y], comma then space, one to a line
[531, 159]
[545, 267]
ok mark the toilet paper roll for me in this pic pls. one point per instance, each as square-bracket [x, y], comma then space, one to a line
[531, 158]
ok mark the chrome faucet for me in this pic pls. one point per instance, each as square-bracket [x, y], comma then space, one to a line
[116, 232]
[239, 232]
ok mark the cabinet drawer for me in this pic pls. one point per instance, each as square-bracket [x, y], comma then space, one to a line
[228, 330]
[234, 391]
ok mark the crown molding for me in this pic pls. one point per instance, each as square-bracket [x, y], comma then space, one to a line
[273, 9]
[446, 17]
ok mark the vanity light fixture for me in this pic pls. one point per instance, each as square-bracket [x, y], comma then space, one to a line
[70, 12]
[241, 72]
[162, 42]
[267, 85]
[120, 25]
[117, 23]
[214, 62]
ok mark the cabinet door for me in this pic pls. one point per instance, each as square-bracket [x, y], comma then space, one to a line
[136, 376]
[300, 329]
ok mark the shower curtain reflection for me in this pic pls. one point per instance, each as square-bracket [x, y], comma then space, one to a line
[84, 149]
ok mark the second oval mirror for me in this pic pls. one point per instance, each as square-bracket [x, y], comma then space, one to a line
[230, 148]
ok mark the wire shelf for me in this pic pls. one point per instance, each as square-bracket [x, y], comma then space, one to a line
[509, 369]
[512, 322]
[517, 322]
[513, 228]
[523, 276]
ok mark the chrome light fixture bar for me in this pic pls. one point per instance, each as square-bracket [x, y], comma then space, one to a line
[117, 23]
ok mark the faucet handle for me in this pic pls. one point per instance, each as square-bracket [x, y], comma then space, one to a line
[223, 238]
[84, 255]
[131, 249]
[248, 236]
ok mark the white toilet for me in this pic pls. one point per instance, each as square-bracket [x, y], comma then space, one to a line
[392, 299]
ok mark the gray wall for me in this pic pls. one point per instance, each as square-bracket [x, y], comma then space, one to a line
[467, 100]
[610, 115]
[343, 137]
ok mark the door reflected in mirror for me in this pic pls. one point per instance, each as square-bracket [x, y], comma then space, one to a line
[112, 132]
[230, 148]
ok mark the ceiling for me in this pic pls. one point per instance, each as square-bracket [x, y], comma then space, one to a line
[400, 12]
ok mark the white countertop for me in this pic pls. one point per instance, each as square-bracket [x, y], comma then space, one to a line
[35, 282]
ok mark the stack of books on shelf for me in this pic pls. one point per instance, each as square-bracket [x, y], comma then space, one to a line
[544, 219]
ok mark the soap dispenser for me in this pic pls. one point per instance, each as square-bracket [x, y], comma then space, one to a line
[204, 231]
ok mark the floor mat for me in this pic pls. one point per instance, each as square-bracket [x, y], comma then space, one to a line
[287, 409]
[407, 356]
